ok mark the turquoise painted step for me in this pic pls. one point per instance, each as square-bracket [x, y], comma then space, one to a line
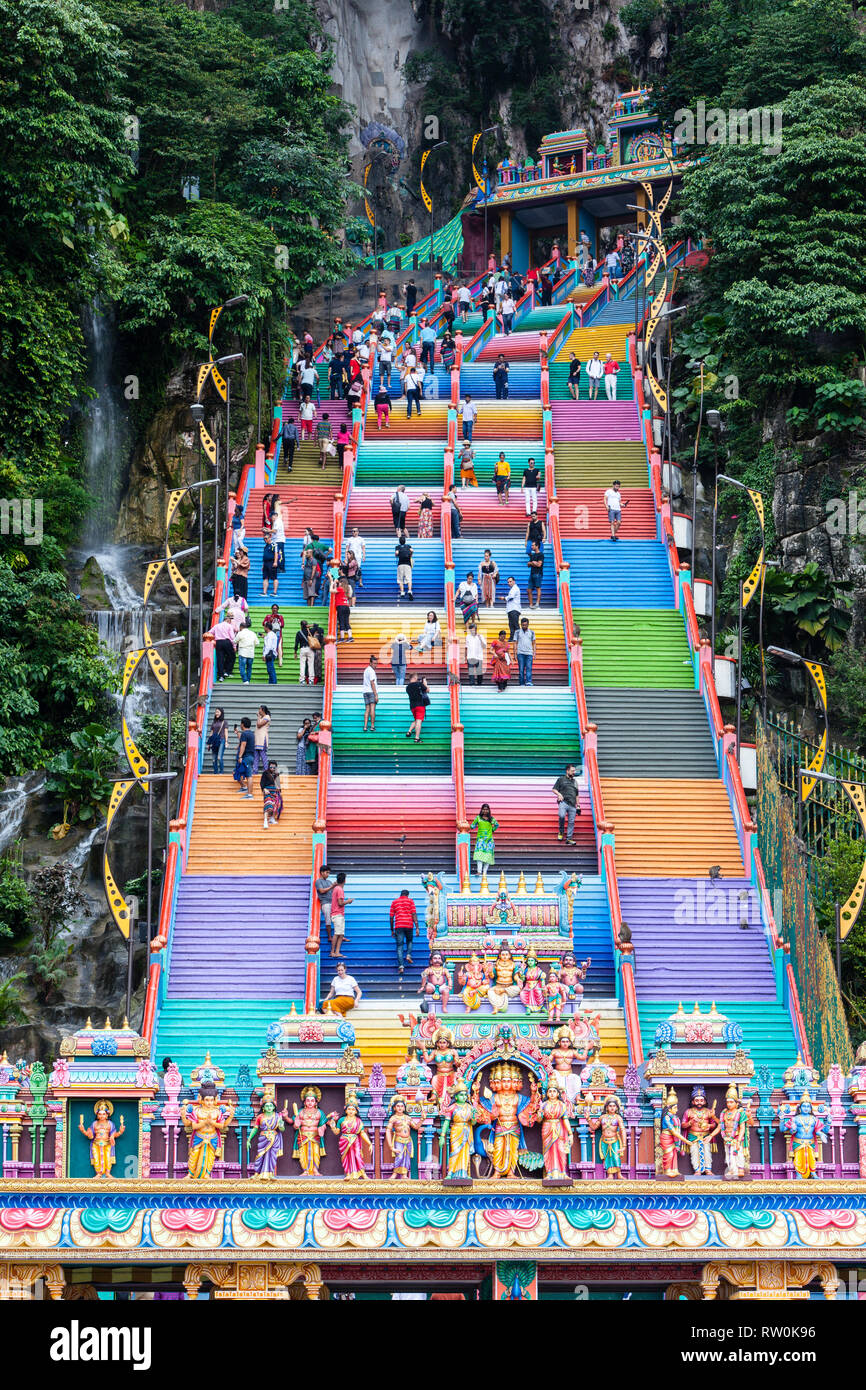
[233, 1031]
[528, 730]
[767, 1031]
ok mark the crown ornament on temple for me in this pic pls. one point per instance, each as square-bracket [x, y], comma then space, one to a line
[505, 1071]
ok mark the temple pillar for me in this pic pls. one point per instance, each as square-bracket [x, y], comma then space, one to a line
[504, 235]
[768, 1279]
[18, 1280]
[573, 211]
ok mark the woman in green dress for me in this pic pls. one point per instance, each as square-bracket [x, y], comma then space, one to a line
[484, 826]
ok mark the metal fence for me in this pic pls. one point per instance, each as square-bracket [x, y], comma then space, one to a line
[792, 892]
[828, 813]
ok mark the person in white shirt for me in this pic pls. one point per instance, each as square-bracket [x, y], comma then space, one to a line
[400, 503]
[512, 605]
[357, 546]
[614, 502]
[464, 299]
[371, 693]
[247, 643]
[412, 384]
[468, 411]
[595, 372]
[308, 414]
[508, 310]
[309, 380]
[432, 634]
[357, 337]
[386, 356]
[363, 354]
[344, 993]
[476, 653]
[270, 651]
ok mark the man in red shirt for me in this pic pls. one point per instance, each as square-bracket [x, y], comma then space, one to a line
[404, 923]
[611, 369]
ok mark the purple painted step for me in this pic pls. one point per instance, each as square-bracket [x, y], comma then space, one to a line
[688, 941]
[239, 938]
[594, 421]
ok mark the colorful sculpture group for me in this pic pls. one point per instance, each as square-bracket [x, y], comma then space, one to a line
[501, 977]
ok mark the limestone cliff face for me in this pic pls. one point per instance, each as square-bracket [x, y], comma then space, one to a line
[371, 43]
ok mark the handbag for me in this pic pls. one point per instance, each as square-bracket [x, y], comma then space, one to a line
[425, 699]
[314, 644]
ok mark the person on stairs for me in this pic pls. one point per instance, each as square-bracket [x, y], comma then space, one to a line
[344, 994]
[240, 572]
[270, 650]
[568, 803]
[290, 442]
[324, 886]
[339, 903]
[595, 372]
[404, 924]
[400, 503]
[403, 553]
[247, 643]
[614, 503]
[225, 640]
[263, 724]
[245, 754]
[270, 785]
[217, 738]
[304, 653]
[418, 695]
[371, 693]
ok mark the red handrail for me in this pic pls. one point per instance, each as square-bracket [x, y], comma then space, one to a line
[739, 794]
[691, 617]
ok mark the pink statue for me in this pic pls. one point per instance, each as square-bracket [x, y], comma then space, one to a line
[555, 993]
[436, 981]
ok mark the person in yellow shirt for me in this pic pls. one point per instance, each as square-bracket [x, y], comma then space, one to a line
[502, 479]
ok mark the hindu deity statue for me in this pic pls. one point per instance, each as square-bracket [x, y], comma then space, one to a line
[443, 1058]
[309, 1123]
[671, 1140]
[473, 978]
[503, 980]
[562, 1057]
[352, 1139]
[612, 1142]
[502, 912]
[573, 975]
[398, 1138]
[556, 1131]
[555, 995]
[267, 1129]
[436, 981]
[700, 1126]
[103, 1135]
[502, 1139]
[734, 1130]
[532, 984]
[433, 886]
[569, 888]
[460, 1116]
[205, 1121]
[807, 1130]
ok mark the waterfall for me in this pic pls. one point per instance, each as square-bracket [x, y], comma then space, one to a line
[13, 804]
[104, 432]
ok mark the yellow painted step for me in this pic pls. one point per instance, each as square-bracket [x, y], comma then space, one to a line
[228, 836]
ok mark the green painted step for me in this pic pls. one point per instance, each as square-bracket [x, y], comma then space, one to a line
[416, 462]
[559, 384]
[233, 1031]
[767, 1031]
[386, 751]
[635, 647]
[292, 614]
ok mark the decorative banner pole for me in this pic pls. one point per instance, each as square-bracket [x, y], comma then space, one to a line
[428, 201]
[748, 589]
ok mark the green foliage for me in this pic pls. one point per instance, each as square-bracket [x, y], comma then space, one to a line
[150, 737]
[80, 774]
[841, 404]
[807, 608]
[11, 1011]
[55, 677]
[50, 966]
[609, 31]
[847, 683]
[16, 903]
[836, 873]
[638, 16]
[786, 236]
[56, 899]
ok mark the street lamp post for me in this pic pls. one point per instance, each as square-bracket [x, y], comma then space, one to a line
[429, 201]
[714, 420]
[487, 131]
[749, 584]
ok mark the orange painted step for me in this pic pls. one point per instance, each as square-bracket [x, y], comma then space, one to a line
[583, 515]
[302, 506]
[671, 829]
[228, 835]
